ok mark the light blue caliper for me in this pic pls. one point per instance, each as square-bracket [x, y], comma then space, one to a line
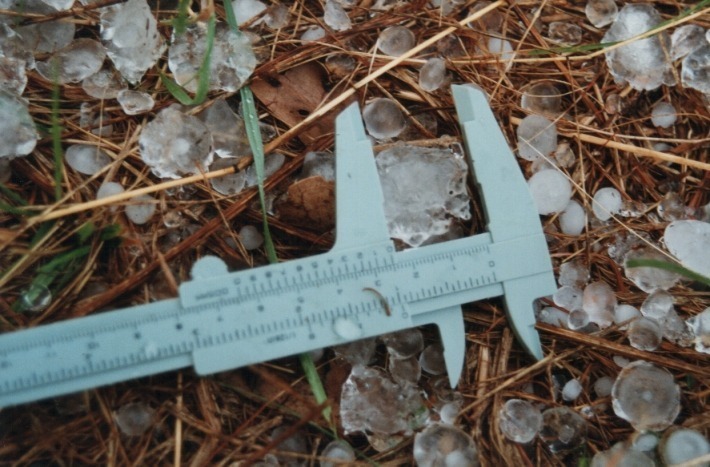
[361, 288]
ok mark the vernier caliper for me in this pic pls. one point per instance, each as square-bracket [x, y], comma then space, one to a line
[363, 287]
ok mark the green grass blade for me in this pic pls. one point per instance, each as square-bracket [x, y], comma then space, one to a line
[231, 18]
[56, 132]
[313, 378]
[671, 267]
[180, 21]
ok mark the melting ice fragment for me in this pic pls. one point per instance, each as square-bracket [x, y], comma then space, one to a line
[562, 429]
[601, 12]
[250, 237]
[599, 301]
[544, 98]
[663, 115]
[141, 209]
[18, 135]
[130, 33]
[607, 202]
[433, 74]
[649, 279]
[565, 33]
[135, 418]
[642, 63]
[689, 242]
[135, 102]
[537, 137]
[80, 59]
[175, 144]
[231, 63]
[550, 190]
[404, 344]
[335, 16]
[104, 84]
[444, 445]
[383, 118]
[13, 77]
[684, 445]
[645, 334]
[695, 71]
[646, 396]
[371, 402]
[337, 450]
[423, 189]
[246, 10]
[86, 159]
[699, 325]
[228, 132]
[519, 420]
[685, 39]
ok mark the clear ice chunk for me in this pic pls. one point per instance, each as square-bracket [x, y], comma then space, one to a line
[141, 209]
[231, 63]
[564, 33]
[543, 98]
[358, 352]
[574, 273]
[684, 445]
[502, 49]
[689, 242]
[568, 297]
[230, 184]
[36, 297]
[572, 390]
[603, 386]
[562, 429]
[228, 131]
[319, 163]
[624, 313]
[383, 118]
[444, 445]
[551, 191]
[135, 102]
[432, 75]
[250, 237]
[104, 84]
[432, 359]
[573, 219]
[335, 16]
[537, 137]
[695, 70]
[109, 189]
[642, 63]
[404, 344]
[174, 144]
[313, 33]
[685, 39]
[246, 10]
[649, 279]
[601, 12]
[663, 115]
[578, 320]
[404, 370]
[80, 59]
[13, 77]
[599, 301]
[277, 16]
[132, 40]
[646, 396]
[607, 203]
[645, 334]
[699, 326]
[86, 159]
[552, 316]
[18, 135]
[423, 189]
[43, 37]
[658, 305]
[371, 402]
[396, 40]
[519, 420]
[135, 418]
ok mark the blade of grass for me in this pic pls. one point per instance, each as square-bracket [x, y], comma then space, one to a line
[203, 74]
[180, 21]
[56, 132]
[666, 266]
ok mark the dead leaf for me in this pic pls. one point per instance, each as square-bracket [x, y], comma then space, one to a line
[310, 203]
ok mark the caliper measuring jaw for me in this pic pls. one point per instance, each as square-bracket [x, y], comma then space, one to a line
[362, 288]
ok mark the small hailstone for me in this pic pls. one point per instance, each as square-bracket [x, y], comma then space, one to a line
[696, 68]
[573, 219]
[564, 33]
[433, 74]
[402, 370]
[75, 62]
[320, 164]
[340, 65]
[444, 445]
[663, 115]
[607, 202]
[135, 418]
[568, 297]
[141, 209]
[277, 16]
[622, 454]
[684, 445]
[109, 189]
[658, 305]
[574, 273]
[404, 344]
[537, 137]
[645, 334]
[689, 242]
[135, 102]
[250, 237]
[601, 12]
[86, 159]
[312, 34]
[396, 40]
[338, 451]
[550, 190]
[645, 278]
[502, 49]
[543, 98]
[699, 325]
[358, 352]
[646, 396]
[13, 77]
[562, 429]
[228, 131]
[36, 297]
[685, 39]
[598, 301]
[230, 184]
[624, 313]
[336, 17]
[246, 10]
[644, 442]
[602, 386]
[572, 390]
[104, 84]
[577, 319]
[432, 359]
[18, 135]
[552, 316]
[519, 420]
[383, 118]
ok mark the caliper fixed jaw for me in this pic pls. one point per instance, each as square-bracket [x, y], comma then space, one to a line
[511, 213]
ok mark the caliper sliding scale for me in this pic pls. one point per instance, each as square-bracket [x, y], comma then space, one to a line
[363, 287]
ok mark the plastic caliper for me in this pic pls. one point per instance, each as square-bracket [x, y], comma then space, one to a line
[363, 287]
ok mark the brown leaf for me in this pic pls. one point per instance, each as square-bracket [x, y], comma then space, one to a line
[310, 203]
